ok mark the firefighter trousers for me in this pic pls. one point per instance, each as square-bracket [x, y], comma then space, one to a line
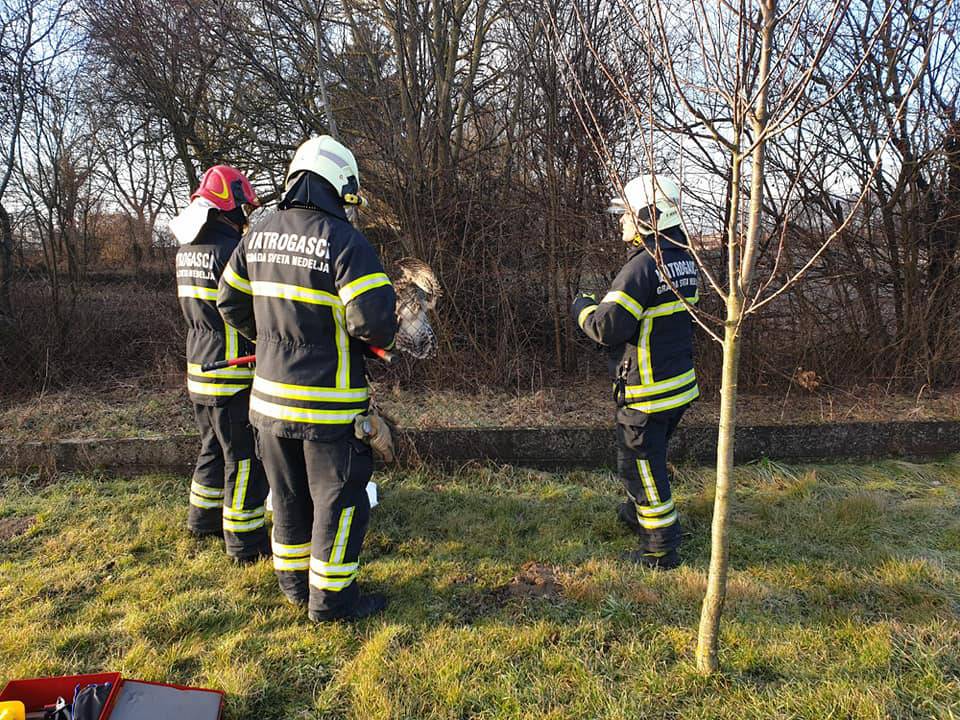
[229, 486]
[642, 441]
[320, 515]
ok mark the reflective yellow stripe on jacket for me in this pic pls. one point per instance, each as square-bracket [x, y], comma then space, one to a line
[304, 415]
[648, 387]
[361, 285]
[309, 392]
[298, 293]
[197, 291]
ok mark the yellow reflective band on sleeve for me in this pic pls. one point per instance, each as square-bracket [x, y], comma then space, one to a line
[305, 415]
[671, 307]
[310, 392]
[296, 293]
[343, 535]
[584, 314]
[291, 564]
[332, 584]
[661, 386]
[324, 568]
[234, 280]
[624, 301]
[667, 403]
[215, 389]
[205, 491]
[240, 486]
[196, 291]
[655, 510]
[656, 523]
[238, 372]
[649, 484]
[361, 285]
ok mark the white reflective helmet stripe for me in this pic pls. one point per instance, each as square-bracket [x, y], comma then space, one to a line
[333, 157]
[647, 192]
[329, 159]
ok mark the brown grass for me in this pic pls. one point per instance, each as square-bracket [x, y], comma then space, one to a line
[132, 410]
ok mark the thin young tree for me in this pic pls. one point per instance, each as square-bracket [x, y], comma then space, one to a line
[724, 84]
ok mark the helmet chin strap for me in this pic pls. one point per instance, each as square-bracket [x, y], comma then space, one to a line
[639, 238]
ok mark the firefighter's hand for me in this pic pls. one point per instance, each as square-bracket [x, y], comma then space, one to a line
[580, 303]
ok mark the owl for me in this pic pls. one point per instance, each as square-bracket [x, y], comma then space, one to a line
[417, 292]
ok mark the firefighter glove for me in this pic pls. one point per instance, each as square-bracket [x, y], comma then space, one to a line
[580, 304]
[374, 430]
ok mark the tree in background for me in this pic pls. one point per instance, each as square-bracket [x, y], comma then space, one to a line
[31, 40]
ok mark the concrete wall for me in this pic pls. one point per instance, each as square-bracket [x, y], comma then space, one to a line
[556, 448]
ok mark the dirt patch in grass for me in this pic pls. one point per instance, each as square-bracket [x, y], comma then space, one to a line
[533, 581]
[131, 411]
[11, 527]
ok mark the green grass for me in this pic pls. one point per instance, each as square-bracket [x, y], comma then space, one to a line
[844, 599]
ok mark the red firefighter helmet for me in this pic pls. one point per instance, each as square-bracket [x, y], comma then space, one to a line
[227, 188]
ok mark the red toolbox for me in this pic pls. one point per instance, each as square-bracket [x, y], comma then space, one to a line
[129, 698]
[37, 692]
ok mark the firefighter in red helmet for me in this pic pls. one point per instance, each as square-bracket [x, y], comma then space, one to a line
[228, 488]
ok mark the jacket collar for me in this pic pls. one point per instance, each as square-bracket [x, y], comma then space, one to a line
[312, 192]
[670, 239]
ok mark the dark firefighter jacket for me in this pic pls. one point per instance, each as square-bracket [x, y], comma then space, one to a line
[209, 338]
[310, 291]
[646, 327]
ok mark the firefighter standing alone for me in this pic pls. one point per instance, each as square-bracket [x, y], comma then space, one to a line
[311, 291]
[648, 334]
[229, 487]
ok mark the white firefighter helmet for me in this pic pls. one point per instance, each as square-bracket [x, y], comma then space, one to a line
[654, 201]
[330, 160]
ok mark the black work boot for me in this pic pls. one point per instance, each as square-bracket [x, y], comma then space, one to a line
[294, 587]
[365, 606]
[201, 534]
[667, 561]
[256, 555]
[627, 514]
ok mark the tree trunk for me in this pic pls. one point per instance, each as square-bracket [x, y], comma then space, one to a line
[709, 634]
[6, 262]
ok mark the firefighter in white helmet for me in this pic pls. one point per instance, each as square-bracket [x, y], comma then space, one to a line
[311, 291]
[644, 324]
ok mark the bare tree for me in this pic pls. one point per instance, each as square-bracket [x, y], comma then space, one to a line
[28, 45]
[730, 82]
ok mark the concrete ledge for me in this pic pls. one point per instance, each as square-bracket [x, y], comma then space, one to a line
[548, 448]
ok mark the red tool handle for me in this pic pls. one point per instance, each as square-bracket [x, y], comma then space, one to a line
[220, 364]
[388, 357]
